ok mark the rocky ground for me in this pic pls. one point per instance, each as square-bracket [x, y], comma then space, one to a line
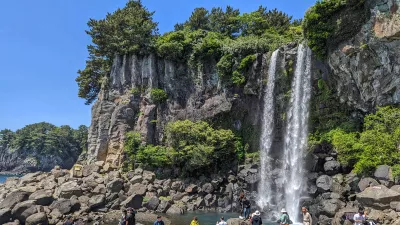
[47, 198]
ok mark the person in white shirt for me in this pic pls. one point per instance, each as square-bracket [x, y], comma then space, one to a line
[222, 222]
[359, 218]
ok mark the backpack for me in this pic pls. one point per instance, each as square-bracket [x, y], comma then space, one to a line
[255, 220]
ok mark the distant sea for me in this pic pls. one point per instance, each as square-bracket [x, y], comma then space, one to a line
[3, 178]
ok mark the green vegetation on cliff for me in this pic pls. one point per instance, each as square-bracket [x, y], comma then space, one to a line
[194, 147]
[46, 139]
[377, 144]
[206, 36]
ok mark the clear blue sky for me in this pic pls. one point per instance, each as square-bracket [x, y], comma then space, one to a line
[43, 44]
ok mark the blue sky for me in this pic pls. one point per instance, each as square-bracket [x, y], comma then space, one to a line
[43, 44]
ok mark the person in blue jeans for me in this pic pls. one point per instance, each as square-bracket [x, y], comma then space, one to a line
[246, 208]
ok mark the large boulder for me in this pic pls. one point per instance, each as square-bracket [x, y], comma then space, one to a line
[163, 206]
[29, 178]
[153, 203]
[37, 219]
[97, 201]
[65, 206]
[68, 189]
[378, 197]
[138, 189]
[23, 210]
[177, 186]
[5, 215]
[175, 210]
[324, 183]
[332, 167]
[330, 207]
[178, 196]
[136, 179]
[366, 182]
[395, 188]
[134, 201]
[208, 188]
[149, 176]
[13, 198]
[42, 197]
[90, 169]
[115, 186]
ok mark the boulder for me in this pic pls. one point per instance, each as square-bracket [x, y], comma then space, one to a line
[134, 201]
[332, 167]
[37, 219]
[90, 169]
[68, 189]
[352, 180]
[15, 222]
[378, 197]
[153, 203]
[330, 207]
[178, 196]
[13, 198]
[324, 183]
[237, 221]
[29, 178]
[395, 188]
[136, 179]
[23, 210]
[232, 179]
[251, 178]
[5, 215]
[192, 189]
[383, 172]
[42, 197]
[177, 186]
[100, 189]
[163, 206]
[138, 189]
[97, 201]
[115, 186]
[149, 176]
[175, 210]
[366, 182]
[65, 206]
[395, 206]
[85, 199]
[200, 202]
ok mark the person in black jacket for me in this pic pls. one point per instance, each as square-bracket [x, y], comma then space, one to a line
[256, 219]
[246, 208]
[130, 218]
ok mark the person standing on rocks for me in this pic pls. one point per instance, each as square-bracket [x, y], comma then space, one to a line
[159, 221]
[195, 221]
[284, 219]
[246, 208]
[130, 218]
[123, 218]
[222, 222]
[307, 218]
[241, 199]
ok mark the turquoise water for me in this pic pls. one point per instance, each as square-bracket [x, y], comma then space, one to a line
[3, 178]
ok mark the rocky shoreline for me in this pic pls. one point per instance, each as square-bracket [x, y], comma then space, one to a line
[48, 197]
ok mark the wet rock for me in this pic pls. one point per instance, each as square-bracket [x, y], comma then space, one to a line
[42, 197]
[36, 219]
[13, 198]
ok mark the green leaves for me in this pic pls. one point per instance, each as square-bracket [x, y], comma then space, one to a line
[158, 95]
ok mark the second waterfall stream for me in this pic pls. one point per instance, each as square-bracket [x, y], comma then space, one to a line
[285, 188]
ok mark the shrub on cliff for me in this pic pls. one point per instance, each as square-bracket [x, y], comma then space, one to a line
[125, 31]
[377, 144]
[158, 95]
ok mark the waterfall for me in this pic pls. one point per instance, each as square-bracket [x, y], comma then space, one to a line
[296, 132]
[281, 183]
[267, 136]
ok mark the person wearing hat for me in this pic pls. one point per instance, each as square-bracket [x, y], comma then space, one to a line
[307, 218]
[256, 218]
[69, 221]
[284, 219]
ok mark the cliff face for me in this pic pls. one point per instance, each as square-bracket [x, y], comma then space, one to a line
[366, 68]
